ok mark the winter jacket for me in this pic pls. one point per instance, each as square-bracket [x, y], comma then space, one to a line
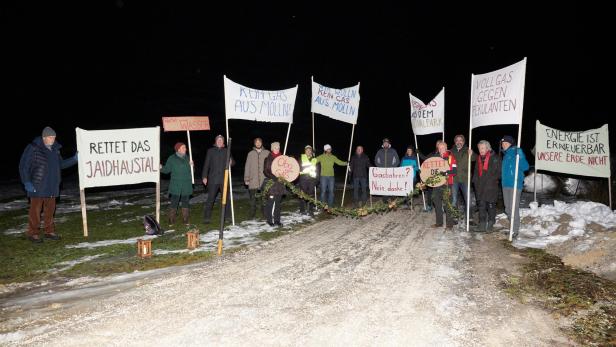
[41, 166]
[214, 166]
[387, 158]
[181, 176]
[277, 188]
[462, 161]
[486, 183]
[508, 171]
[453, 166]
[253, 170]
[327, 162]
[410, 161]
[360, 164]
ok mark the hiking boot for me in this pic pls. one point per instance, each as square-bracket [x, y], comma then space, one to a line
[172, 214]
[437, 225]
[52, 236]
[35, 239]
[185, 215]
[278, 224]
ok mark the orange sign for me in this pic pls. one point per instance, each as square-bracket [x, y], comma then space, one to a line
[186, 123]
[431, 166]
[285, 167]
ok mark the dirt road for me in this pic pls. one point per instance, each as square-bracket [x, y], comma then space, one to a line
[381, 280]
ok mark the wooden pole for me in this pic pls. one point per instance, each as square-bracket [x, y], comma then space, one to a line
[192, 169]
[609, 189]
[517, 162]
[423, 196]
[346, 174]
[470, 143]
[314, 153]
[286, 142]
[223, 204]
[158, 182]
[230, 177]
[84, 215]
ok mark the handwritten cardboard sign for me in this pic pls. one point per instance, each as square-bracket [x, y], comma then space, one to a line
[192, 123]
[393, 181]
[285, 167]
[431, 166]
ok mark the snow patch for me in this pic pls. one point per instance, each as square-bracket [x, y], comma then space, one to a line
[69, 264]
[548, 224]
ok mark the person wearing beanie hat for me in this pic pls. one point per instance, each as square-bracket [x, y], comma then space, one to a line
[509, 179]
[40, 172]
[327, 161]
[386, 156]
[254, 175]
[180, 184]
[48, 131]
[509, 139]
[277, 189]
[213, 175]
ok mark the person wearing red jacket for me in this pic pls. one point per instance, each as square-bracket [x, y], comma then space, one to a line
[437, 192]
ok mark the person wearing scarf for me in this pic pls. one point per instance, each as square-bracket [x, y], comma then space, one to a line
[180, 186]
[485, 179]
[275, 193]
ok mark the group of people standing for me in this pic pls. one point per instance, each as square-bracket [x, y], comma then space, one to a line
[41, 164]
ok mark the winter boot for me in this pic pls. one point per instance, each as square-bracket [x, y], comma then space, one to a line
[185, 215]
[172, 213]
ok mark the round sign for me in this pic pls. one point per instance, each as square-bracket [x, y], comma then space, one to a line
[430, 167]
[285, 167]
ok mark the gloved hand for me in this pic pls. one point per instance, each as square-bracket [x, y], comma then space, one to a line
[29, 187]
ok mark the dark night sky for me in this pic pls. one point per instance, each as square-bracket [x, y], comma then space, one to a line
[120, 64]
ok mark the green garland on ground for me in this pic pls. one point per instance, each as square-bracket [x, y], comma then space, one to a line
[378, 207]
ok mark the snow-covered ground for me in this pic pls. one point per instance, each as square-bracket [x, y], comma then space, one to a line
[560, 222]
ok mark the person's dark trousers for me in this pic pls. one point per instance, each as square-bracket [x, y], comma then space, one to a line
[272, 209]
[487, 215]
[437, 200]
[48, 207]
[254, 203]
[428, 196]
[179, 200]
[212, 192]
[360, 183]
[306, 185]
[327, 185]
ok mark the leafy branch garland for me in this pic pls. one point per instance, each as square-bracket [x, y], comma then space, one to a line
[435, 179]
[378, 207]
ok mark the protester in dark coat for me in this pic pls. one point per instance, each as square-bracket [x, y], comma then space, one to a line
[359, 166]
[40, 171]
[180, 186]
[276, 191]
[213, 177]
[485, 179]
[386, 156]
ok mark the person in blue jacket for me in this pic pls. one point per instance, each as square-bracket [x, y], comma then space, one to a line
[510, 150]
[410, 159]
[40, 171]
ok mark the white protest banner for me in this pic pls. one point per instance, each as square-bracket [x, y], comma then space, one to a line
[118, 157]
[430, 118]
[497, 97]
[393, 181]
[259, 105]
[585, 153]
[339, 104]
